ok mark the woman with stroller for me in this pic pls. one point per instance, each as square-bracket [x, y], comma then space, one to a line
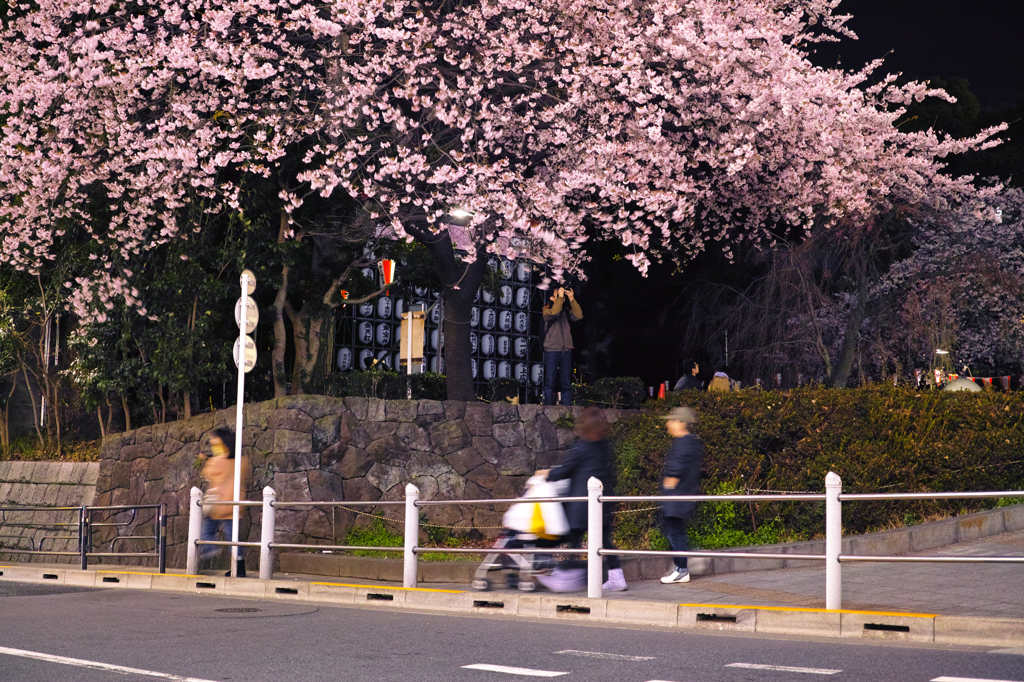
[590, 456]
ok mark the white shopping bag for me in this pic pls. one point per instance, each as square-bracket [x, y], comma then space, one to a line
[543, 519]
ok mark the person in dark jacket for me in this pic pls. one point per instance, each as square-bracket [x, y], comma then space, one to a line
[689, 378]
[681, 476]
[590, 456]
[557, 344]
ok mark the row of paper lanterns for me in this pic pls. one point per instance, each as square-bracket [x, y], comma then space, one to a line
[489, 369]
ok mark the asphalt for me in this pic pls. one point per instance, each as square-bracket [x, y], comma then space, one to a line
[94, 635]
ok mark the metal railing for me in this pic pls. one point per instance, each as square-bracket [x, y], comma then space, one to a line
[832, 558]
[85, 524]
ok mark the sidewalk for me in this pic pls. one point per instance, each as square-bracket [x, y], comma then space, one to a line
[982, 590]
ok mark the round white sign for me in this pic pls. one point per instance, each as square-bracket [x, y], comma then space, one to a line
[252, 314]
[250, 354]
[250, 281]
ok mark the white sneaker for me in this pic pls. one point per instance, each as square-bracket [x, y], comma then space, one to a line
[680, 575]
[616, 581]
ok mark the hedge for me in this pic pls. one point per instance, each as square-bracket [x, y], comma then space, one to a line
[878, 439]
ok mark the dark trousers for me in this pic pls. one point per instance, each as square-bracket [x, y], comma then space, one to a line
[558, 364]
[575, 541]
[678, 539]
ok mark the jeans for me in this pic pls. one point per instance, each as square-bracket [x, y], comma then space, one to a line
[678, 539]
[557, 364]
[210, 528]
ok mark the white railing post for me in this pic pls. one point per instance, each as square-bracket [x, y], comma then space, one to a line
[595, 536]
[267, 534]
[412, 534]
[195, 531]
[833, 542]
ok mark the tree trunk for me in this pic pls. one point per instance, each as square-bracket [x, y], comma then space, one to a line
[163, 403]
[127, 413]
[851, 336]
[306, 340]
[186, 399]
[99, 418]
[35, 411]
[280, 336]
[460, 282]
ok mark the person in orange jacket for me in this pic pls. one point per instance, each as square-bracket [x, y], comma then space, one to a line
[219, 472]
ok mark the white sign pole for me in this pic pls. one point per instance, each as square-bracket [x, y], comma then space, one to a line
[240, 400]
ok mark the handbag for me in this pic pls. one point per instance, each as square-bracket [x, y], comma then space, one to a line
[543, 519]
[211, 495]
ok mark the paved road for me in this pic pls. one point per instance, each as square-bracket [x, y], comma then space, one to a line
[200, 638]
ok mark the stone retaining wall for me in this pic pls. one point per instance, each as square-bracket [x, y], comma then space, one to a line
[43, 484]
[314, 448]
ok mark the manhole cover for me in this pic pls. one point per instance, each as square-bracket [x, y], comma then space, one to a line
[238, 610]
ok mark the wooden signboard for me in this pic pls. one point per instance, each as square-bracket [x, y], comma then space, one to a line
[418, 320]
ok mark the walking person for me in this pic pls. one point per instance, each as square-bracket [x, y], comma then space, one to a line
[219, 472]
[681, 476]
[557, 343]
[591, 455]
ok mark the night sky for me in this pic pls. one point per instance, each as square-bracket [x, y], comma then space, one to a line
[979, 40]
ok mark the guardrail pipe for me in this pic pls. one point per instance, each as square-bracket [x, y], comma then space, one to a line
[195, 531]
[412, 534]
[595, 535]
[267, 534]
[833, 542]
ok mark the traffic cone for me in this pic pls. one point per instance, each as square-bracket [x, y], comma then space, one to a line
[661, 390]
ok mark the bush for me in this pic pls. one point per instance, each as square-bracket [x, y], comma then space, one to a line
[878, 439]
[616, 392]
[382, 383]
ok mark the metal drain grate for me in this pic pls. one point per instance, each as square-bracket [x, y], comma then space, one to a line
[243, 609]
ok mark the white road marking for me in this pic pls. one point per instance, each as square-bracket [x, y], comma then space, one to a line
[599, 654]
[966, 679]
[513, 671]
[784, 668]
[96, 665]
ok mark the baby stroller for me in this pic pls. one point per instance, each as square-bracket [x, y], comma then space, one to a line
[527, 525]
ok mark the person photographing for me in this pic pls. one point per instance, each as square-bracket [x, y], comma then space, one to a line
[557, 344]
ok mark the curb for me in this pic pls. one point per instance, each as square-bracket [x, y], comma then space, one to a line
[867, 625]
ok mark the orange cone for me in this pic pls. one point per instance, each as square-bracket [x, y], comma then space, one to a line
[661, 390]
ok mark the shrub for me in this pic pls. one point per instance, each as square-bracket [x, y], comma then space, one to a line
[616, 392]
[878, 439]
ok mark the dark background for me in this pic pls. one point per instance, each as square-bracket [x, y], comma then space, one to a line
[632, 325]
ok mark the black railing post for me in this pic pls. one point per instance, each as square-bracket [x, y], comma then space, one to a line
[161, 540]
[83, 531]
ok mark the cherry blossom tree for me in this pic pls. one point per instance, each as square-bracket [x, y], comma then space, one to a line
[663, 125]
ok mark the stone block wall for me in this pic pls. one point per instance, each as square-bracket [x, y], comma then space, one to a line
[314, 448]
[43, 484]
